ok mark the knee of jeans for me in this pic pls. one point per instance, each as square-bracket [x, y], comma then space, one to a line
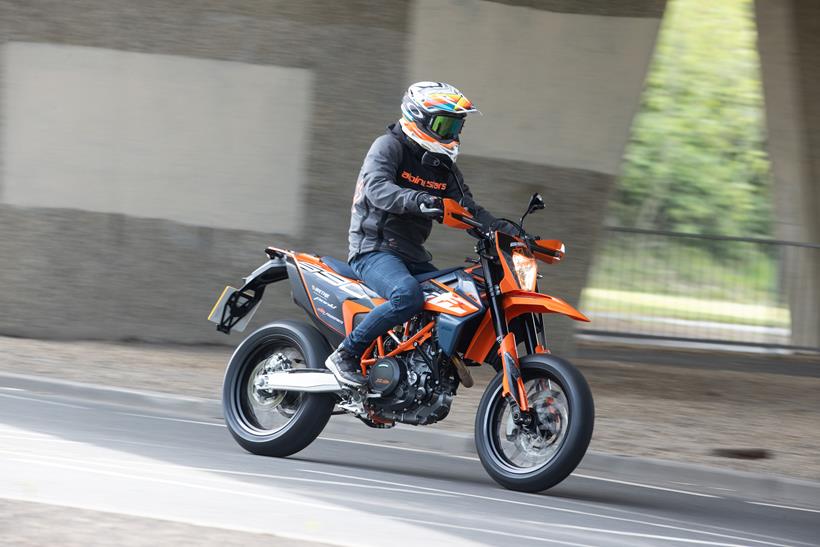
[407, 297]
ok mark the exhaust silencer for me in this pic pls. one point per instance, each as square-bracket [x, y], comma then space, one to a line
[305, 380]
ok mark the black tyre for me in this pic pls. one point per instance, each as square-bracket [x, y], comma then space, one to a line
[531, 459]
[275, 423]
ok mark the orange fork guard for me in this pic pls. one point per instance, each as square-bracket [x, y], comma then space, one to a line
[511, 382]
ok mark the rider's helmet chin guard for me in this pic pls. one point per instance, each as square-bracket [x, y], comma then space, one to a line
[433, 115]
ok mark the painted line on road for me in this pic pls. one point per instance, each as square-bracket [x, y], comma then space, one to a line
[177, 483]
[43, 401]
[171, 419]
[493, 532]
[12, 389]
[405, 448]
[635, 534]
[174, 469]
[471, 458]
[641, 485]
[784, 506]
[688, 528]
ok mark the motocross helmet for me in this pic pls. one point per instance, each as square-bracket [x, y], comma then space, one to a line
[433, 115]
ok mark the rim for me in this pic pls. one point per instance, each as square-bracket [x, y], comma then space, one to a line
[522, 449]
[263, 411]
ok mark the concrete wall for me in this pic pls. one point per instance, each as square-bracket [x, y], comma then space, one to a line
[789, 44]
[260, 111]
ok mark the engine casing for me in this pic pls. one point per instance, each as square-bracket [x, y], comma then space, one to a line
[408, 390]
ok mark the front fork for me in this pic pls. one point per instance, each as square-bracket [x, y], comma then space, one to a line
[511, 381]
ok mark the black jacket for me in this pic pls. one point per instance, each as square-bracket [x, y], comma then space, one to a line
[385, 214]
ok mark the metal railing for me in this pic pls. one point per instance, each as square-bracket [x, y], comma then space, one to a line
[704, 288]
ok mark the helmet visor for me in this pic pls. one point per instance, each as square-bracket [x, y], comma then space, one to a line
[446, 127]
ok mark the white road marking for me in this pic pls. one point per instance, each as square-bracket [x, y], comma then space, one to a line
[173, 469]
[555, 508]
[43, 401]
[405, 448]
[177, 483]
[580, 475]
[493, 532]
[785, 506]
[641, 485]
[171, 419]
[12, 389]
[637, 534]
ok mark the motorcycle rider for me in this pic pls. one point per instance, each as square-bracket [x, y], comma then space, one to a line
[397, 198]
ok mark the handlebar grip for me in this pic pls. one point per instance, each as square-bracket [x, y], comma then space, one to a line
[467, 220]
[544, 250]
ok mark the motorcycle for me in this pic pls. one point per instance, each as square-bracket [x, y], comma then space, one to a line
[535, 419]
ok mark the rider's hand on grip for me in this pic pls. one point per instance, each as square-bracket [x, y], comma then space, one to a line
[431, 206]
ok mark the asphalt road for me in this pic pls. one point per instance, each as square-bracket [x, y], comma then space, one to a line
[354, 486]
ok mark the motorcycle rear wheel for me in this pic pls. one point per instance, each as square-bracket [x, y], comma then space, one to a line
[275, 423]
[537, 458]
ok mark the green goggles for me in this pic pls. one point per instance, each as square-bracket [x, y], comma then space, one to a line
[446, 127]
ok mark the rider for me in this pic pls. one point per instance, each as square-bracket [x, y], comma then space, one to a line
[397, 197]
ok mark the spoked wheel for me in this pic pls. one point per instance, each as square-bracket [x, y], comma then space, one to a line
[537, 455]
[270, 422]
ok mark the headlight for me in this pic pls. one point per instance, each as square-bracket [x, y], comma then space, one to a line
[526, 270]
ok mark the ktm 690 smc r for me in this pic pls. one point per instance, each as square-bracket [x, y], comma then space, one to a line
[535, 418]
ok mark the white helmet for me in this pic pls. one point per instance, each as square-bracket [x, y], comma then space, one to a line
[433, 116]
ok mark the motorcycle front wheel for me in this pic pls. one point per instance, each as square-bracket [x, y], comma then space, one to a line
[535, 457]
[267, 422]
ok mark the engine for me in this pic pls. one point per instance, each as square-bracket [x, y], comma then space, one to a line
[410, 392]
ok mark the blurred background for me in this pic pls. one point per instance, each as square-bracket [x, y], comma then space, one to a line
[150, 151]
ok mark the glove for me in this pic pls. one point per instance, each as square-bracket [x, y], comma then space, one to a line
[430, 206]
[505, 227]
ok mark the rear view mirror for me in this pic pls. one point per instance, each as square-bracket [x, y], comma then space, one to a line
[536, 203]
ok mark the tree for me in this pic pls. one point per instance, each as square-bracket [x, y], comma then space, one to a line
[696, 161]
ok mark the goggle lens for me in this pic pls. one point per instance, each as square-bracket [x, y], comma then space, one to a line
[446, 127]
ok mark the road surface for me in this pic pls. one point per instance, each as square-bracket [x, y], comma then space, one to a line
[353, 486]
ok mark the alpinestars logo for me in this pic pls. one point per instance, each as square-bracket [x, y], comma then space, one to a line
[406, 175]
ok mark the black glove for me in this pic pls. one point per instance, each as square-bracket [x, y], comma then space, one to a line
[430, 206]
[505, 227]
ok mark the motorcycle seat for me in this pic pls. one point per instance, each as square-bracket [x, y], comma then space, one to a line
[343, 268]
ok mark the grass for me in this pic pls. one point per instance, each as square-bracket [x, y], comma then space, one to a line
[683, 307]
[726, 271]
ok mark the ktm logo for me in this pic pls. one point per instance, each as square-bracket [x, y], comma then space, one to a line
[406, 175]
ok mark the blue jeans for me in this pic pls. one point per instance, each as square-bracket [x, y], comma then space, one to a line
[392, 278]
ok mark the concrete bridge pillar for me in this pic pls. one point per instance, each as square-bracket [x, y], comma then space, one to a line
[789, 44]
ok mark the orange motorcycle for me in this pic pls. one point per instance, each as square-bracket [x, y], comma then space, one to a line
[535, 418]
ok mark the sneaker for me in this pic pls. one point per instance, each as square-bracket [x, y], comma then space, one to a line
[345, 366]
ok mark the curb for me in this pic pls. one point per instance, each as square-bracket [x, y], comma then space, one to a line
[640, 469]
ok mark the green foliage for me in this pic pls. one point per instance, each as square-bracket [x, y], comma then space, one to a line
[696, 162]
[688, 267]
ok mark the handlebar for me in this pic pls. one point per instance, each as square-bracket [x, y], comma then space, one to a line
[544, 250]
[467, 220]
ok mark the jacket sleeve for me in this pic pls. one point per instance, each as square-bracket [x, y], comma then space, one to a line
[378, 178]
[487, 220]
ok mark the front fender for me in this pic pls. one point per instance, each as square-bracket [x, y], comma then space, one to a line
[520, 302]
[516, 303]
